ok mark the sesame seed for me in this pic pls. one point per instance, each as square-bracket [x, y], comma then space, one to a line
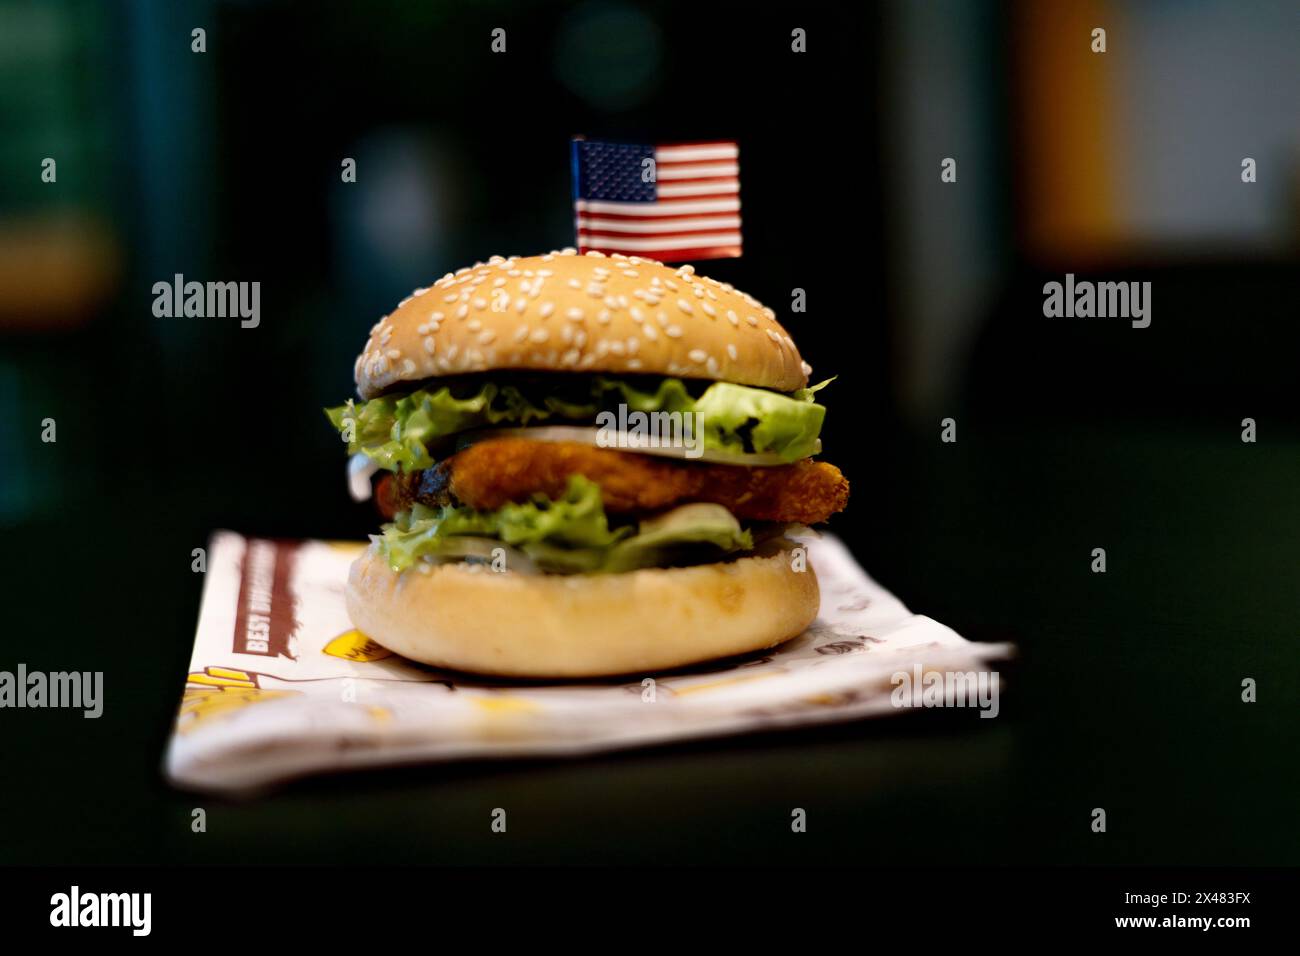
[732, 318]
[697, 355]
[684, 306]
[709, 310]
[603, 317]
[539, 336]
[450, 297]
[480, 304]
[486, 337]
[650, 332]
[546, 309]
[474, 325]
[731, 351]
[521, 333]
[633, 363]
[428, 344]
[751, 320]
[520, 304]
[574, 315]
[575, 284]
[408, 367]
[773, 336]
[673, 331]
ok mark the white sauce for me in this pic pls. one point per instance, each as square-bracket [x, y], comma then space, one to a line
[360, 468]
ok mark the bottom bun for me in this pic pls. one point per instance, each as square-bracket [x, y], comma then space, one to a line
[473, 619]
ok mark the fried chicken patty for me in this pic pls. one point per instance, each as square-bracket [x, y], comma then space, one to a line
[493, 472]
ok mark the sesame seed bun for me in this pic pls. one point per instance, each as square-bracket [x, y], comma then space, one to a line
[562, 312]
[600, 625]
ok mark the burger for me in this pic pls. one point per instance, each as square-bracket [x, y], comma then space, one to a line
[590, 466]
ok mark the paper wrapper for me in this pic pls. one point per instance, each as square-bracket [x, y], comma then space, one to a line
[281, 684]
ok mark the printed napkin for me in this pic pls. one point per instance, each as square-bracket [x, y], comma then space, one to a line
[281, 685]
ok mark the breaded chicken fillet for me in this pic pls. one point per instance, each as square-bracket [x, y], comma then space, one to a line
[499, 470]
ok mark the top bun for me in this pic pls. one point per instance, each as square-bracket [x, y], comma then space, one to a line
[563, 312]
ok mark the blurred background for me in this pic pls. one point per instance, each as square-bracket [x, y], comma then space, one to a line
[924, 297]
[225, 165]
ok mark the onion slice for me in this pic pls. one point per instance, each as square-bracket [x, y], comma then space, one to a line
[457, 547]
[622, 441]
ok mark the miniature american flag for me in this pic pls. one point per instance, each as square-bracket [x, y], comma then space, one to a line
[683, 205]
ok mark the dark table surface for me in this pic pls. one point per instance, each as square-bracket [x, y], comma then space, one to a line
[1126, 694]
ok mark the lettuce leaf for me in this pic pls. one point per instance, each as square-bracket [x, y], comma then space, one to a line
[397, 431]
[735, 416]
[568, 535]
